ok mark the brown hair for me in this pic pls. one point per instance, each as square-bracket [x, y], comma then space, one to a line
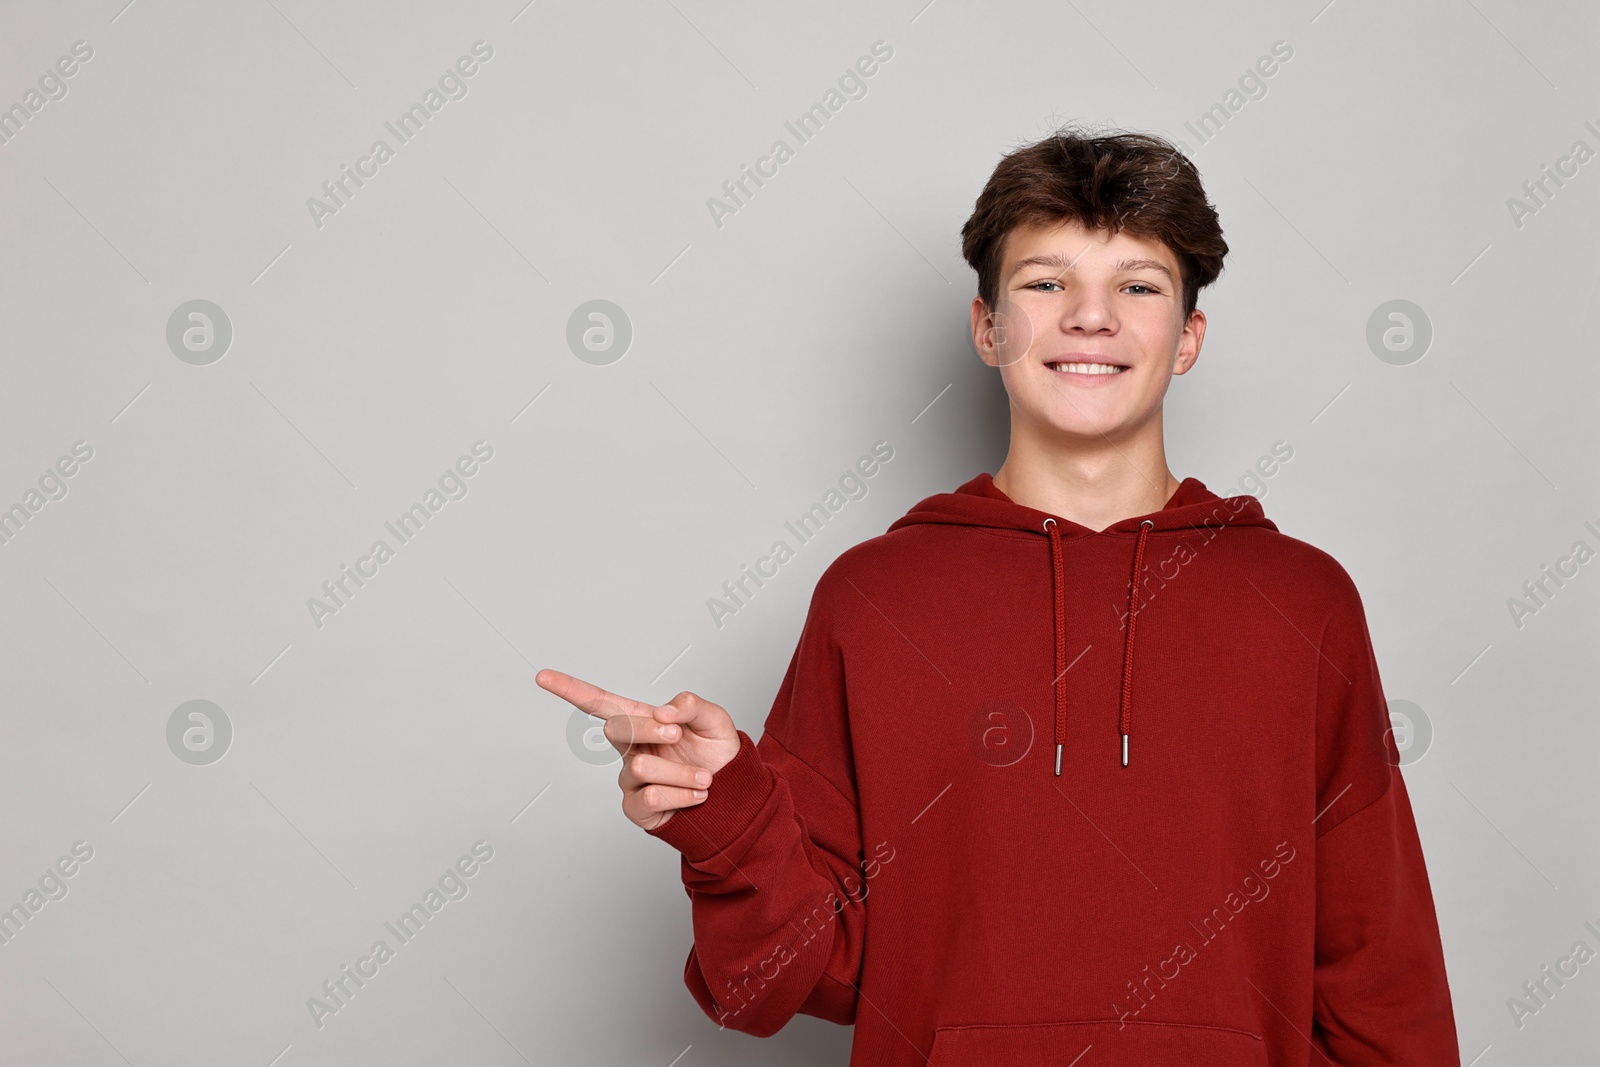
[1121, 181]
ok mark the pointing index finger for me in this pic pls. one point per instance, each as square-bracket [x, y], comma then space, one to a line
[590, 698]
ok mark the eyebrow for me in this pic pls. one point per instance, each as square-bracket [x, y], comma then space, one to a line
[1056, 259]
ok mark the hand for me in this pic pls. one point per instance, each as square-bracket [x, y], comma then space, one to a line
[669, 752]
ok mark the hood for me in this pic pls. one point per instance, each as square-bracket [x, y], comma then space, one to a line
[1191, 507]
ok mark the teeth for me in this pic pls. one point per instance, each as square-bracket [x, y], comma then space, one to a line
[1085, 368]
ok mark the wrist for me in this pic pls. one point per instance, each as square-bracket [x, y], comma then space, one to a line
[738, 792]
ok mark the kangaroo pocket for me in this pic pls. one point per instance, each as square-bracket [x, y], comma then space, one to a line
[1096, 1043]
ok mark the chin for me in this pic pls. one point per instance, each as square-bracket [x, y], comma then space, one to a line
[1082, 429]
[1059, 417]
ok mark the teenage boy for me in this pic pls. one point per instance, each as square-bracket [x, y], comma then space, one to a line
[1079, 760]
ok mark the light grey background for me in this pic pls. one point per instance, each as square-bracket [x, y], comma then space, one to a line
[768, 353]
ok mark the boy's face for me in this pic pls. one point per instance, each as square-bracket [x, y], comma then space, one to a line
[1068, 295]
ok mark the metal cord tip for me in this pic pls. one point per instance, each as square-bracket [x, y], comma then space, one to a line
[1058, 759]
[1124, 750]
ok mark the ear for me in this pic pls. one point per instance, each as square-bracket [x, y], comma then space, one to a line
[1189, 342]
[983, 333]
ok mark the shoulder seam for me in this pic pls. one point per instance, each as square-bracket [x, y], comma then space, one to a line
[1388, 786]
[790, 753]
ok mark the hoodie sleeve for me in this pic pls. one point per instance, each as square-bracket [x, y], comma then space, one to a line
[1380, 994]
[772, 858]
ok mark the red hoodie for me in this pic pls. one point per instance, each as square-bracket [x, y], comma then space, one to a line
[1030, 792]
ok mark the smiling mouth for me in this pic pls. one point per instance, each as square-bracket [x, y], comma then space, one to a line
[1086, 368]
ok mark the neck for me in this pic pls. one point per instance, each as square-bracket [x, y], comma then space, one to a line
[1092, 487]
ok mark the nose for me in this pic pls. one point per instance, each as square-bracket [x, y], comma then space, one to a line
[1088, 309]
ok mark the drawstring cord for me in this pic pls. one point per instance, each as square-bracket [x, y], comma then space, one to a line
[1125, 722]
[1057, 565]
[1058, 576]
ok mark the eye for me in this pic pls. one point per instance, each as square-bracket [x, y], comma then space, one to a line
[1047, 281]
[1140, 285]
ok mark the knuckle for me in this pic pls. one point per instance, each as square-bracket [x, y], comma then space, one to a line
[636, 763]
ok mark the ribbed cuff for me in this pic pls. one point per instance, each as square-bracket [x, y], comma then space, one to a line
[736, 796]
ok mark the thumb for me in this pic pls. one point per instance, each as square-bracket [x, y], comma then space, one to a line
[696, 713]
